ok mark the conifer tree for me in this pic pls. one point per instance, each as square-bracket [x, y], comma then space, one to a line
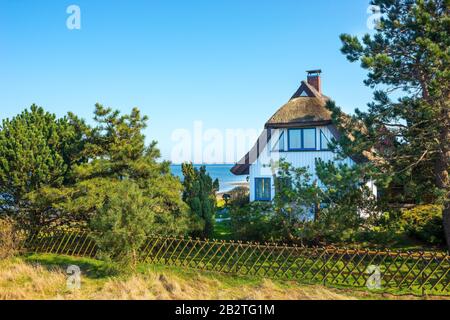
[117, 154]
[199, 194]
[60, 172]
[37, 151]
[408, 138]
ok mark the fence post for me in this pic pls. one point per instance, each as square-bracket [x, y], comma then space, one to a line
[236, 258]
[325, 267]
[423, 276]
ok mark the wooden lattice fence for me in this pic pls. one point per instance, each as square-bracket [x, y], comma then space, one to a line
[409, 272]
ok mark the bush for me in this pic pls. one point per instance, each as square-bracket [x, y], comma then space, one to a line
[252, 222]
[123, 224]
[200, 194]
[424, 223]
[304, 212]
[10, 239]
[239, 196]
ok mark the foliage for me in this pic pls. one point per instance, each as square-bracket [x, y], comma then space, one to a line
[295, 201]
[10, 239]
[424, 223]
[239, 196]
[200, 194]
[334, 208]
[124, 221]
[348, 205]
[56, 172]
[117, 154]
[407, 140]
[226, 197]
[37, 151]
[252, 222]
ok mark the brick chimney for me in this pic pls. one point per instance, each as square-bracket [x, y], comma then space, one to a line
[314, 79]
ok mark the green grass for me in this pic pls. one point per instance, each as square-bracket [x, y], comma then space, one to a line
[92, 268]
[97, 270]
[290, 264]
[223, 214]
[395, 241]
[222, 229]
[153, 280]
[267, 262]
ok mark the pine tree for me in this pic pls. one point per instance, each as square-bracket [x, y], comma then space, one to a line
[123, 223]
[408, 138]
[117, 154]
[199, 194]
[37, 151]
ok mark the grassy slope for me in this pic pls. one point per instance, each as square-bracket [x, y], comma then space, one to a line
[43, 277]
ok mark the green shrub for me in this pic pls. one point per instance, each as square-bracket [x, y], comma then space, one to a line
[10, 239]
[122, 225]
[252, 222]
[378, 236]
[239, 196]
[424, 223]
[200, 195]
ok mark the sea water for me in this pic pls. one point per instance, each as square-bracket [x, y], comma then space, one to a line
[227, 180]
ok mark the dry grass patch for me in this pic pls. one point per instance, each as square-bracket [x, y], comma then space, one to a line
[20, 280]
[44, 277]
[167, 286]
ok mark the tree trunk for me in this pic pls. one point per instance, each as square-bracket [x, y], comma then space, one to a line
[316, 211]
[316, 203]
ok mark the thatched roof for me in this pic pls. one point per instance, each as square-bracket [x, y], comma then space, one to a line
[306, 108]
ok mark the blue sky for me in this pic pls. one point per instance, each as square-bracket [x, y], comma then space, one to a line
[228, 63]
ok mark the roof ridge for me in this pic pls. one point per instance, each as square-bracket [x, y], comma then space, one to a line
[310, 91]
[316, 93]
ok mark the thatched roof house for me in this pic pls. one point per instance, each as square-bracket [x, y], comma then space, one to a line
[306, 108]
[299, 132]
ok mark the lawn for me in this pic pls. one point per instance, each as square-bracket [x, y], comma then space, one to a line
[222, 225]
[43, 276]
[400, 273]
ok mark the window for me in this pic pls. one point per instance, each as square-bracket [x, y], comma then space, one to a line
[295, 139]
[302, 139]
[309, 139]
[279, 145]
[324, 142]
[262, 189]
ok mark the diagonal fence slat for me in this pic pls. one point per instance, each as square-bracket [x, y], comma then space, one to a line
[409, 272]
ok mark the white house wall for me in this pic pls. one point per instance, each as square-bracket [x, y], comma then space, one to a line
[261, 168]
